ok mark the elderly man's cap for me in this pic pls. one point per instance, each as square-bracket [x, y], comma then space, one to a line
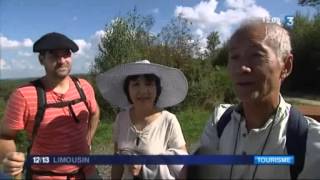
[53, 41]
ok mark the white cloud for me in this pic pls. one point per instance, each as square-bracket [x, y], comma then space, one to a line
[205, 18]
[8, 43]
[23, 53]
[99, 34]
[88, 49]
[21, 62]
[96, 39]
[27, 43]
[4, 65]
[239, 4]
[83, 46]
[24, 64]
[155, 10]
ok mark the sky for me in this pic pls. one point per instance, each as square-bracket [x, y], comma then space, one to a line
[22, 22]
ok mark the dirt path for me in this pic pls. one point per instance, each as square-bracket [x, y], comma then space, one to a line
[296, 100]
[308, 107]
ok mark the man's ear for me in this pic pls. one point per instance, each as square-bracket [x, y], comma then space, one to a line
[287, 66]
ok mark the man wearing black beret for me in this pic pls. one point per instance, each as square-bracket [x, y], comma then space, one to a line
[52, 41]
[59, 112]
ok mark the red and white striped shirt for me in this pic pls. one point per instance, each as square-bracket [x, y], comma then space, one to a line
[58, 134]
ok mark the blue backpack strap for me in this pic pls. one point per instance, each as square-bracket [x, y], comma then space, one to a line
[297, 131]
[201, 171]
[296, 135]
[224, 120]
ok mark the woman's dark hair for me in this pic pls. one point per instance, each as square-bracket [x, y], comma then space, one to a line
[148, 77]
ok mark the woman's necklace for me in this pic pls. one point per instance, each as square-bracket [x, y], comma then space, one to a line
[139, 126]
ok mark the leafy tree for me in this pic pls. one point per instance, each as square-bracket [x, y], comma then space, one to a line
[179, 43]
[212, 44]
[306, 47]
[221, 57]
[309, 2]
[126, 39]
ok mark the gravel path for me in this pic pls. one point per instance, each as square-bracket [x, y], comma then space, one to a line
[104, 170]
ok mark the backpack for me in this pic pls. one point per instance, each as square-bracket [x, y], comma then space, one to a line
[297, 131]
[42, 106]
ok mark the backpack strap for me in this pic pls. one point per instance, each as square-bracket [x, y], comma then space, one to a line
[297, 131]
[224, 120]
[42, 105]
[80, 90]
[41, 108]
[42, 102]
[202, 171]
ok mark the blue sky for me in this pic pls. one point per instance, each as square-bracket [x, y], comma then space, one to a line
[22, 22]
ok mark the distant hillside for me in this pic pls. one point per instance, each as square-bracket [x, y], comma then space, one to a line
[8, 85]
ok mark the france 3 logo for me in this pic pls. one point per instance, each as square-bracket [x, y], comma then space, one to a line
[289, 21]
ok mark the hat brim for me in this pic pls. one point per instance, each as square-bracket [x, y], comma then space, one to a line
[173, 83]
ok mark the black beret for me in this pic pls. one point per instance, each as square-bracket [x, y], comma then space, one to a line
[53, 41]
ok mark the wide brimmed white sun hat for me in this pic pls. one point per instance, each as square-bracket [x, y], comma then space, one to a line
[174, 85]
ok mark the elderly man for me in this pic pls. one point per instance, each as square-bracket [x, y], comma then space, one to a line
[59, 113]
[259, 60]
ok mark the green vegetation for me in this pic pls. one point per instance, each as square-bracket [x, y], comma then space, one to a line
[102, 142]
[129, 38]
[313, 3]
[6, 87]
[306, 47]
[2, 106]
[192, 122]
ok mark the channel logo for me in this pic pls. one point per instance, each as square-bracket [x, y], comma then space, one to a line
[289, 21]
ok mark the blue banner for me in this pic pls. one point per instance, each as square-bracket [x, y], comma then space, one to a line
[142, 159]
[163, 159]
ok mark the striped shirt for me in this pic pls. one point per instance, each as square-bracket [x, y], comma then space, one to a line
[58, 134]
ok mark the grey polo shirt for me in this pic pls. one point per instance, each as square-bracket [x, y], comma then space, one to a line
[251, 143]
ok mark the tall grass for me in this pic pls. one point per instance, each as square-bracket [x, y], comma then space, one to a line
[192, 121]
[102, 142]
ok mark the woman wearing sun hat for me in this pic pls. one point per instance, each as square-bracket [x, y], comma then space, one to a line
[142, 89]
